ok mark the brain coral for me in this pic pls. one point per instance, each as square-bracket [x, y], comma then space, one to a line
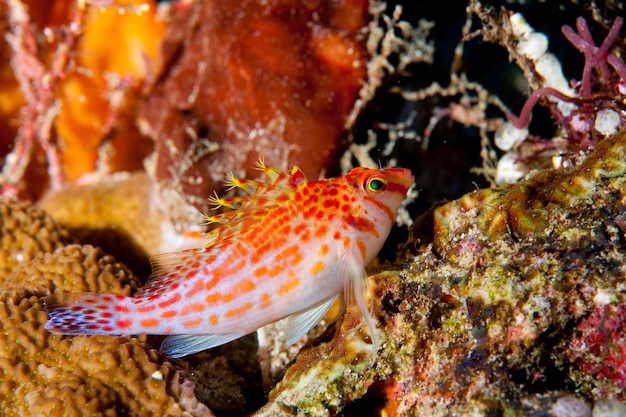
[45, 374]
[25, 232]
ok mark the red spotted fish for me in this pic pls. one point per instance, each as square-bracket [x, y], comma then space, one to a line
[288, 248]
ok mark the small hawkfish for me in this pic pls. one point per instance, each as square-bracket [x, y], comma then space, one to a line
[289, 248]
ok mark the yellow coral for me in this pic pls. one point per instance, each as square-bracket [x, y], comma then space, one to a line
[25, 232]
[45, 374]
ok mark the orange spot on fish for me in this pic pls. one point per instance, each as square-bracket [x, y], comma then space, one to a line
[124, 323]
[168, 314]
[244, 286]
[172, 300]
[192, 308]
[288, 286]
[299, 228]
[149, 322]
[213, 298]
[192, 323]
[317, 268]
[265, 300]
[146, 308]
[324, 249]
[362, 247]
[197, 287]
[277, 270]
[239, 311]
[122, 309]
[260, 271]
[321, 231]
[213, 319]
[290, 252]
[337, 235]
[212, 283]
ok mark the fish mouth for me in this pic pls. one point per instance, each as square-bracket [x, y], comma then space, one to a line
[400, 179]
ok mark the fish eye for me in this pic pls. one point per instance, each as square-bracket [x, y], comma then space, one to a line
[375, 184]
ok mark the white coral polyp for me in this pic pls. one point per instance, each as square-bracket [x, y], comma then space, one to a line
[607, 122]
[508, 136]
[510, 169]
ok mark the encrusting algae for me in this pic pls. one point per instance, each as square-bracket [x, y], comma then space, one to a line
[478, 321]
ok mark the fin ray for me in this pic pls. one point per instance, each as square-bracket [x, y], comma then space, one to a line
[178, 346]
[299, 324]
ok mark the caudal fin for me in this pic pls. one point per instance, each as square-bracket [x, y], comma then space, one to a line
[84, 313]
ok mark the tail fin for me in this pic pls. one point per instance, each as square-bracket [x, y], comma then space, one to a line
[85, 313]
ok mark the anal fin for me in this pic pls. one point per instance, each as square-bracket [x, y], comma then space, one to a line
[299, 324]
[178, 346]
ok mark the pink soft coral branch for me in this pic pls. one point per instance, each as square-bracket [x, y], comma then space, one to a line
[596, 56]
[524, 117]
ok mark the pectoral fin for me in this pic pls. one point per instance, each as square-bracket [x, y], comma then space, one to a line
[356, 292]
[299, 324]
[182, 345]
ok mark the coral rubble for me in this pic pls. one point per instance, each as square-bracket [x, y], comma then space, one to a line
[478, 320]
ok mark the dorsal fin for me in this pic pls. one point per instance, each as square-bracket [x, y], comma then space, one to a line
[260, 200]
[164, 268]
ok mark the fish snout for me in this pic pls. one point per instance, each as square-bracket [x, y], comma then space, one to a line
[399, 179]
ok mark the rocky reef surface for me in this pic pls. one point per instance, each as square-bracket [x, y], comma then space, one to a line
[504, 302]
[118, 118]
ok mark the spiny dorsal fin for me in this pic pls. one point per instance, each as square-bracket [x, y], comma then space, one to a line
[258, 202]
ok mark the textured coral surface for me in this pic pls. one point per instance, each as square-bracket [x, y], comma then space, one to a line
[26, 233]
[45, 374]
[477, 320]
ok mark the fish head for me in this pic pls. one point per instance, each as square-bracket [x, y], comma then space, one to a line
[377, 196]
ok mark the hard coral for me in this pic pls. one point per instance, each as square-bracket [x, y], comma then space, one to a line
[248, 79]
[45, 374]
[474, 323]
[25, 232]
[122, 214]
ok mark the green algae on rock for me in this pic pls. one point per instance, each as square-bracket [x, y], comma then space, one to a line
[491, 288]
